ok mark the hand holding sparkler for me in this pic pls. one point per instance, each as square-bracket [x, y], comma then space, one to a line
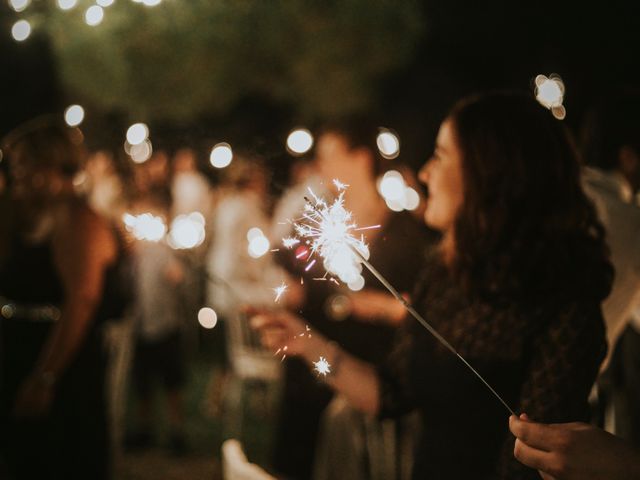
[285, 333]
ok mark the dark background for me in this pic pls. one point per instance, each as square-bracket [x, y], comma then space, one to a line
[464, 47]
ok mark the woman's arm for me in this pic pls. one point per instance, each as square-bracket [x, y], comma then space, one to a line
[83, 247]
[563, 367]
[287, 334]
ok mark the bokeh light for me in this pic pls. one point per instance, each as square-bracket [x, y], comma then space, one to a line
[396, 193]
[140, 152]
[105, 3]
[207, 317]
[392, 185]
[388, 144]
[258, 246]
[74, 115]
[145, 226]
[559, 112]
[19, 5]
[412, 199]
[67, 4]
[137, 133]
[152, 3]
[253, 233]
[94, 15]
[21, 30]
[187, 231]
[549, 91]
[221, 155]
[299, 141]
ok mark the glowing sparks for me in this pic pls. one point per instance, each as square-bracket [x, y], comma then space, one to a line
[283, 350]
[322, 366]
[329, 232]
[290, 242]
[339, 185]
[279, 291]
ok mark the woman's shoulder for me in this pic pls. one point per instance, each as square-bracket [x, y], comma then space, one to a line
[79, 227]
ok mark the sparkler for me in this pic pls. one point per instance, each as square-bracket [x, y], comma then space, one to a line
[322, 366]
[279, 291]
[329, 230]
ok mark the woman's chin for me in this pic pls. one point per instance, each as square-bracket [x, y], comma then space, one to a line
[430, 221]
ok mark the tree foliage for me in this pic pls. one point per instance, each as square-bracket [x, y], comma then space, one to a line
[187, 58]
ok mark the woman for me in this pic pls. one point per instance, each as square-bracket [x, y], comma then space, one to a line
[515, 285]
[57, 282]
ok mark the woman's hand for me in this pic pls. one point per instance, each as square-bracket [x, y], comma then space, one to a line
[282, 331]
[376, 306]
[573, 451]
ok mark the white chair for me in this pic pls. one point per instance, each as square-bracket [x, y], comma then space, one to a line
[235, 465]
[252, 366]
[356, 446]
[249, 359]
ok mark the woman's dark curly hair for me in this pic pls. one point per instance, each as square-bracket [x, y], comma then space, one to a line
[525, 230]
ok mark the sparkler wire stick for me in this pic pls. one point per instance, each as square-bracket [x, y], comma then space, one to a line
[426, 324]
[316, 231]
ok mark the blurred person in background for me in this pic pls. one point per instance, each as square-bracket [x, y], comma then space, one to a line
[59, 281]
[159, 356]
[104, 187]
[611, 178]
[237, 276]
[190, 189]
[191, 192]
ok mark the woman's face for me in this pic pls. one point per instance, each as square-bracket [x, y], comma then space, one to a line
[442, 174]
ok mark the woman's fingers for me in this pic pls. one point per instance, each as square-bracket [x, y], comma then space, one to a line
[532, 457]
[536, 435]
[279, 330]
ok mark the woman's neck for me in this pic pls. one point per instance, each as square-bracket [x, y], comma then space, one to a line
[448, 247]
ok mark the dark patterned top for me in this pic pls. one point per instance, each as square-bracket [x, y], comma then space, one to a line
[542, 361]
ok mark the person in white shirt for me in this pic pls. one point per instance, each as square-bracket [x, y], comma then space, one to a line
[612, 180]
